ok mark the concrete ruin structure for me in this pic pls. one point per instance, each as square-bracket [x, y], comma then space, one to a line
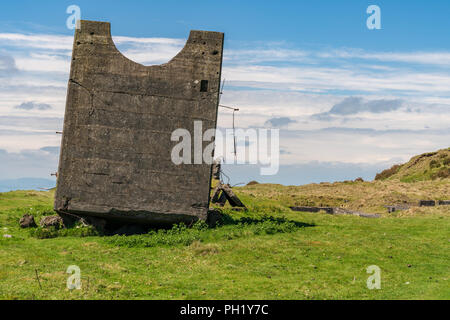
[115, 160]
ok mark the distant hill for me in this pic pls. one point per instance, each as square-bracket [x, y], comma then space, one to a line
[26, 184]
[427, 166]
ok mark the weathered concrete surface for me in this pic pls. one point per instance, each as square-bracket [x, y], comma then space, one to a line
[115, 157]
[427, 203]
[397, 207]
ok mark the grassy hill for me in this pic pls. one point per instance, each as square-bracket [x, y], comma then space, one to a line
[427, 166]
[269, 252]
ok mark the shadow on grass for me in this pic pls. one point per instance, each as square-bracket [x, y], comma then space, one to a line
[228, 229]
[229, 220]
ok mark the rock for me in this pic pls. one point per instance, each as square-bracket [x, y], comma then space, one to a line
[252, 183]
[52, 221]
[27, 221]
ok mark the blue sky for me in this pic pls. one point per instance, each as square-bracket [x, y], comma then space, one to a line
[351, 100]
[407, 25]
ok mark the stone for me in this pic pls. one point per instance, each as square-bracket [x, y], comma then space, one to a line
[27, 221]
[52, 221]
[444, 202]
[116, 148]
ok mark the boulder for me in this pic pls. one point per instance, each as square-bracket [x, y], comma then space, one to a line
[27, 221]
[52, 221]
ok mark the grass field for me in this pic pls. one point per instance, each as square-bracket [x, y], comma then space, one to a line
[293, 256]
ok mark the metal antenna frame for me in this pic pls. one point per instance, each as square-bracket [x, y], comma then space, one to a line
[234, 129]
[234, 111]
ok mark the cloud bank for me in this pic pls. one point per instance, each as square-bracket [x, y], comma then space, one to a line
[332, 105]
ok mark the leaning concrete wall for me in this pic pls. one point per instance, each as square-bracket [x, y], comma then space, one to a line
[116, 147]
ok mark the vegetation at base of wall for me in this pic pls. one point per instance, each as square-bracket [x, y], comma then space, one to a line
[182, 235]
[52, 232]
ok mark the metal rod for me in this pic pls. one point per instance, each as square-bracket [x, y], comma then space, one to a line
[234, 135]
[234, 129]
[227, 107]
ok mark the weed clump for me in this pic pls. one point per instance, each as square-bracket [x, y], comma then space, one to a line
[442, 173]
[388, 172]
[52, 232]
[434, 164]
[200, 232]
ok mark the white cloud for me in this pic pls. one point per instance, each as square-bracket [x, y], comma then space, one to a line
[44, 63]
[28, 163]
[325, 79]
[266, 81]
[36, 41]
[430, 58]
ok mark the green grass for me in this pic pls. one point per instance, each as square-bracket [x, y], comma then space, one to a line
[269, 252]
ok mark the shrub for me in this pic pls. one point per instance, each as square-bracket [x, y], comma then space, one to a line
[182, 235]
[434, 164]
[52, 232]
[44, 233]
[388, 172]
[442, 173]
